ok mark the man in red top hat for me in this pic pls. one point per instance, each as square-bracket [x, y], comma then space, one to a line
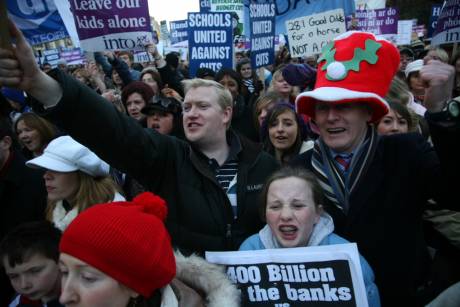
[376, 187]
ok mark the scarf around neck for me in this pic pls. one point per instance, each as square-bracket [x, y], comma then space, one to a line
[338, 186]
[249, 83]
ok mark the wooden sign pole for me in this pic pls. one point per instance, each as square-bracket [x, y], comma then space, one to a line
[5, 39]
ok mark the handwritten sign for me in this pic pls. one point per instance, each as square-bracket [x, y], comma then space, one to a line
[307, 35]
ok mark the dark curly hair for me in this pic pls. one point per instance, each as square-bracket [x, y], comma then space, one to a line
[137, 87]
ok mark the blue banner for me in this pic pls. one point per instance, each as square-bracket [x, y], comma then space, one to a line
[262, 23]
[39, 20]
[210, 41]
[290, 9]
[178, 31]
[205, 6]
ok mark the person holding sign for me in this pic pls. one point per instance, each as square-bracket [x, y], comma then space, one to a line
[292, 207]
[211, 182]
[377, 187]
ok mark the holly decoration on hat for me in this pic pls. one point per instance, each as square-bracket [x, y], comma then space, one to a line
[337, 70]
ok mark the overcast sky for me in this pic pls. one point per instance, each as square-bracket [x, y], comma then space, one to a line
[172, 9]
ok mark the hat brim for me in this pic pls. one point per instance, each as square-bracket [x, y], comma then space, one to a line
[147, 110]
[305, 102]
[50, 163]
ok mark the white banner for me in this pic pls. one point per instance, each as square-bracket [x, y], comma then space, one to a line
[63, 8]
[404, 32]
[369, 4]
[296, 276]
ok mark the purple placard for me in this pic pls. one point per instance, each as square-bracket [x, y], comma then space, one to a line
[448, 24]
[73, 56]
[112, 24]
[383, 21]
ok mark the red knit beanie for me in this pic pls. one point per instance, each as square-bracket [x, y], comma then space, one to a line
[126, 240]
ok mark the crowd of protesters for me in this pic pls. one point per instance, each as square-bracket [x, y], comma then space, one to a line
[321, 153]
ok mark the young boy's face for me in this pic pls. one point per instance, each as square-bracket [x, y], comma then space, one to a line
[37, 278]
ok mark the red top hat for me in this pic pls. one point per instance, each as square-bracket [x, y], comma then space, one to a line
[354, 67]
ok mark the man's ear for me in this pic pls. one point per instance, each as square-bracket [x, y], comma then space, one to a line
[228, 111]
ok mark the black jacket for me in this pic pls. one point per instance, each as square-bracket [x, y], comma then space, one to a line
[386, 207]
[200, 217]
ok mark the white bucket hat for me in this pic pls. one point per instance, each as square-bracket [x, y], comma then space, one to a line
[413, 66]
[64, 154]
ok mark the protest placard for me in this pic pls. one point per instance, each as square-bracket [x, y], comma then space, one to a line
[164, 30]
[178, 31]
[39, 20]
[448, 24]
[404, 32]
[262, 22]
[142, 57]
[205, 6]
[66, 14]
[181, 51]
[419, 29]
[236, 8]
[51, 56]
[435, 11]
[383, 22]
[369, 4]
[210, 41]
[112, 24]
[307, 35]
[73, 56]
[292, 9]
[241, 43]
[306, 276]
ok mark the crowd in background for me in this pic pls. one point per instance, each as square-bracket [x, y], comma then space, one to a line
[47, 174]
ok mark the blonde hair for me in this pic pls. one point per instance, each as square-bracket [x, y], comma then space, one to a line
[278, 74]
[441, 53]
[399, 92]
[224, 100]
[91, 191]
